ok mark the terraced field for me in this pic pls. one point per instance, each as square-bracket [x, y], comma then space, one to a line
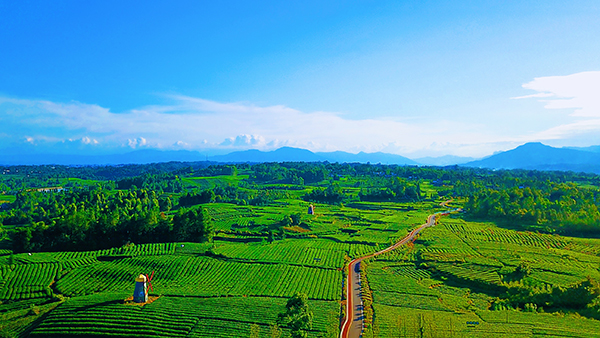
[200, 296]
[451, 277]
[172, 316]
[27, 281]
[312, 252]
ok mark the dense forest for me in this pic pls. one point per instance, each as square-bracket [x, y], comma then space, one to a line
[91, 219]
[92, 208]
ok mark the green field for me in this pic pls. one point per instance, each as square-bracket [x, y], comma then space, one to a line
[198, 294]
[437, 285]
[463, 277]
[209, 182]
[456, 271]
[7, 198]
[198, 279]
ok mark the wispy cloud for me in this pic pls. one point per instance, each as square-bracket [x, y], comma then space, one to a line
[578, 93]
[570, 129]
[532, 96]
[195, 123]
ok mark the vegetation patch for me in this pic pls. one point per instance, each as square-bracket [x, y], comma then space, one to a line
[232, 245]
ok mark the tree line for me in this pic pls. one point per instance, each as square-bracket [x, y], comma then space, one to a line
[553, 207]
[99, 219]
[140, 203]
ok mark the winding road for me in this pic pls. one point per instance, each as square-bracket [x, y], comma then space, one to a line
[353, 324]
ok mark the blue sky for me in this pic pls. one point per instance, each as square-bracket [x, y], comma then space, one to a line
[418, 78]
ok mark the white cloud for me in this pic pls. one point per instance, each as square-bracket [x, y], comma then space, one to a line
[37, 139]
[181, 144]
[533, 96]
[196, 124]
[580, 91]
[137, 142]
[87, 140]
[570, 129]
[245, 140]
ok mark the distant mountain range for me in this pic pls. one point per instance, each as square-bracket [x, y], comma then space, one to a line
[285, 154]
[542, 157]
[594, 149]
[362, 157]
[288, 154]
[528, 156]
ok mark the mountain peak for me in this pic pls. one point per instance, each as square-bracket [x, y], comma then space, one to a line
[533, 144]
[538, 156]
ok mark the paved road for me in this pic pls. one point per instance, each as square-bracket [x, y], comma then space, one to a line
[352, 326]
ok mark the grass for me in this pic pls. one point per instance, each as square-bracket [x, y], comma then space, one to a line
[213, 181]
[240, 271]
[172, 316]
[7, 198]
[307, 252]
[410, 322]
[450, 276]
[437, 286]
[78, 181]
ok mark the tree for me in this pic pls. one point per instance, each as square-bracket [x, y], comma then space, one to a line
[271, 236]
[209, 228]
[296, 218]
[22, 239]
[298, 316]
[523, 270]
[297, 180]
[193, 225]
[165, 204]
[286, 221]
[333, 194]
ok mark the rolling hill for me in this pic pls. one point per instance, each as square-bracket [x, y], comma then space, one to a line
[537, 156]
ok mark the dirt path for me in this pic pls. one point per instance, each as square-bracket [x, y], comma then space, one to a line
[352, 326]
